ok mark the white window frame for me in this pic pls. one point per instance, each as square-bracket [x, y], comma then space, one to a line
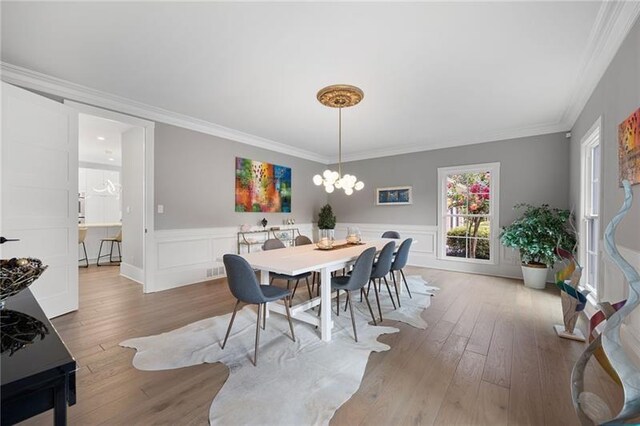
[589, 141]
[494, 205]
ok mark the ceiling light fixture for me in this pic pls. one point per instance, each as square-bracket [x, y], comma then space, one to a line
[339, 96]
[101, 138]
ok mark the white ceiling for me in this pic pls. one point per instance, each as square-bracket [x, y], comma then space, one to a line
[433, 74]
[94, 150]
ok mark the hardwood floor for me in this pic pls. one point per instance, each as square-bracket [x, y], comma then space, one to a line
[489, 356]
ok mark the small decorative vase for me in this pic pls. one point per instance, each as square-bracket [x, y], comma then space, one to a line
[264, 222]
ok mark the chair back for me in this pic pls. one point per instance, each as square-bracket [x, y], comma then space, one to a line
[361, 270]
[118, 237]
[402, 256]
[272, 244]
[82, 234]
[391, 234]
[242, 280]
[385, 259]
[303, 240]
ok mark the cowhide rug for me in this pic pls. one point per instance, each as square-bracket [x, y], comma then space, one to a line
[302, 382]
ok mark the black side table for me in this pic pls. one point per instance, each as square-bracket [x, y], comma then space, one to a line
[38, 372]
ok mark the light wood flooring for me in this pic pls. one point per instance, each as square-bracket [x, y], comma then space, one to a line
[489, 356]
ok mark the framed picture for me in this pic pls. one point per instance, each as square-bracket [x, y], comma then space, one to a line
[629, 148]
[395, 196]
[262, 187]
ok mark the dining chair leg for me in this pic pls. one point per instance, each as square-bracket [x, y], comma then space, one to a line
[119, 252]
[395, 284]
[233, 317]
[255, 354]
[366, 298]
[346, 301]
[286, 306]
[353, 319]
[306, 279]
[405, 284]
[338, 302]
[389, 290]
[295, 288]
[264, 316]
[375, 290]
[111, 253]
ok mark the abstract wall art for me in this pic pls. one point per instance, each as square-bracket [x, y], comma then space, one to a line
[396, 196]
[262, 187]
[629, 149]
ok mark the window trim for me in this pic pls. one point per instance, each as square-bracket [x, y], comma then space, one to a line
[494, 208]
[590, 139]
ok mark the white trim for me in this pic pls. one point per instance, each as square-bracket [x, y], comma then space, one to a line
[494, 208]
[590, 138]
[148, 247]
[132, 272]
[55, 86]
[614, 21]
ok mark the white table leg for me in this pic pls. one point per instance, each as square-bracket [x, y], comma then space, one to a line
[264, 280]
[325, 296]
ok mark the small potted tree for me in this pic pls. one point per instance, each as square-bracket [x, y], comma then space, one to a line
[536, 234]
[326, 224]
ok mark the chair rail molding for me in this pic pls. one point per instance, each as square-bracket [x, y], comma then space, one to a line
[189, 256]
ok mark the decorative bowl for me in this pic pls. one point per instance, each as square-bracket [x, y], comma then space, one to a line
[324, 244]
[18, 274]
[353, 239]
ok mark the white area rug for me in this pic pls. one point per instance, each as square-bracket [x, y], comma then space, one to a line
[295, 383]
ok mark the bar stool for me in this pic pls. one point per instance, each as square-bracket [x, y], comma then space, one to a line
[82, 234]
[117, 239]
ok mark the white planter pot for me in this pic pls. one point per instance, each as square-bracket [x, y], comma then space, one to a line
[535, 277]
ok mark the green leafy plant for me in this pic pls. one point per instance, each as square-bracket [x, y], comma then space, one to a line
[538, 232]
[326, 218]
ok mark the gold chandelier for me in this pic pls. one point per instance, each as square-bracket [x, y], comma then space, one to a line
[339, 96]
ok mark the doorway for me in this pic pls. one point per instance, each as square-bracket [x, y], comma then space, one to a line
[115, 190]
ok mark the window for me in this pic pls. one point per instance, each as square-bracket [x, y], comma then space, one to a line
[469, 212]
[590, 201]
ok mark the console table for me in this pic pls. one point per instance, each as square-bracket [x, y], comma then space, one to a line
[38, 372]
[253, 238]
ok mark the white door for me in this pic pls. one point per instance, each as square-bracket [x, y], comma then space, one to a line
[39, 183]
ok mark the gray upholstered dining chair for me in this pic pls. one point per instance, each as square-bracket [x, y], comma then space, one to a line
[380, 271]
[274, 244]
[391, 234]
[400, 261]
[302, 240]
[245, 288]
[359, 277]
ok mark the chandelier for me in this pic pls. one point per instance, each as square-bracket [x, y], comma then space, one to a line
[339, 96]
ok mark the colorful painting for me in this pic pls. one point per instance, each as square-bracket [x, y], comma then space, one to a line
[262, 187]
[629, 149]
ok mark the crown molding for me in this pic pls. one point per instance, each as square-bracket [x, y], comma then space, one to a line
[34, 80]
[453, 143]
[613, 23]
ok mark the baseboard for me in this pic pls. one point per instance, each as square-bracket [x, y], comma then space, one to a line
[132, 272]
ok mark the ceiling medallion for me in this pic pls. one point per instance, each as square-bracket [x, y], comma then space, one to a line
[339, 96]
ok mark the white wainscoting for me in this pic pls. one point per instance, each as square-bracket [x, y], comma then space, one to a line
[132, 272]
[424, 250]
[188, 256]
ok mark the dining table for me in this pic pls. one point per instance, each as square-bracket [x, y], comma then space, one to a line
[308, 258]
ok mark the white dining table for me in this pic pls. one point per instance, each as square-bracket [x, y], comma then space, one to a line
[300, 259]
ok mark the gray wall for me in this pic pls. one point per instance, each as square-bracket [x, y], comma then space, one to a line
[195, 181]
[132, 181]
[532, 169]
[614, 99]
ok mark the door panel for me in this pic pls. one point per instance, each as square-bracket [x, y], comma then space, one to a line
[39, 182]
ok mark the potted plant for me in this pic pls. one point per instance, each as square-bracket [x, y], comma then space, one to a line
[537, 234]
[326, 222]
